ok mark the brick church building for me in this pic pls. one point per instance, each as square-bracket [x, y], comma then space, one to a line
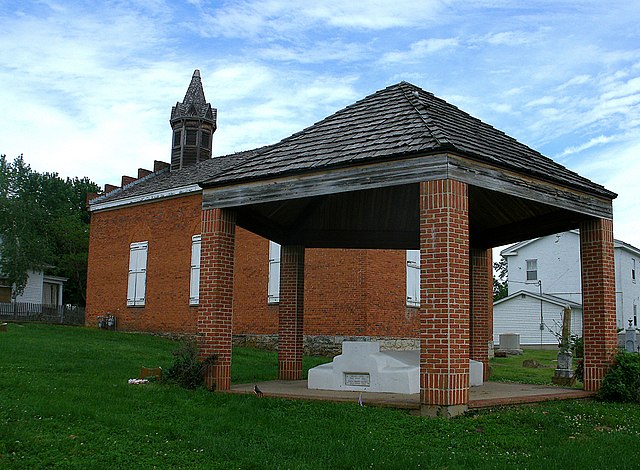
[145, 247]
[384, 215]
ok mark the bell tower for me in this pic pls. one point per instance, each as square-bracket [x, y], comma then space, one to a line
[193, 122]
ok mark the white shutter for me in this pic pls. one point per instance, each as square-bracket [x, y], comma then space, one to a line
[194, 285]
[413, 278]
[137, 282]
[273, 292]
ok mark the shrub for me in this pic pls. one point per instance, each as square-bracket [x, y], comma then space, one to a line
[187, 371]
[622, 382]
[579, 372]
[577, 346]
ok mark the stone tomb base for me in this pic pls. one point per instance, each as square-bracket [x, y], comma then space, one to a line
[363, 367]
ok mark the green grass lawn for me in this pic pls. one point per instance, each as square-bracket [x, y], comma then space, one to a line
[510, 369]
[65, 402]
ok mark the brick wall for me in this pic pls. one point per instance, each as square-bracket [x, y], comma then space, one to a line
[347, 292]
[168, 226]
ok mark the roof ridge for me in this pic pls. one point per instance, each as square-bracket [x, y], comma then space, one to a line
[422, 110]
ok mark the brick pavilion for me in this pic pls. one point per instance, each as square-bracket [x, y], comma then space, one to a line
[398, 170]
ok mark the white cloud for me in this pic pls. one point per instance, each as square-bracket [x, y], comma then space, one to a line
[508, 38]
[575, 81]
[278, 19]
[419, 50]
[600, 140]
[544, 101]
[617, 167]
[318, 52]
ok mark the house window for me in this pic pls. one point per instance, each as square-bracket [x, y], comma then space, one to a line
[413, 278]
[635, 315]
[273, 291]
[137, 273]
[5, 291]
[177, 135]
[633, 269]
[191, 137]
[194, 284]
[532, 270]
[205, 139]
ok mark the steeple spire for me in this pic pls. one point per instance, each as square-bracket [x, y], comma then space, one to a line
[193, 122]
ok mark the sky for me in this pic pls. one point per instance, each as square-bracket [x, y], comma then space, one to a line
[87, 86]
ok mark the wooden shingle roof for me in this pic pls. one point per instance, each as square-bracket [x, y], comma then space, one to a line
[399, 121]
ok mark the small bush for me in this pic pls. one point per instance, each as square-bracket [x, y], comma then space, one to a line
[577, 346]
[579, 372]
[622, 382]
[187, 371]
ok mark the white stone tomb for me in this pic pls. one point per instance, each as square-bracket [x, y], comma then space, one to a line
[363, 367]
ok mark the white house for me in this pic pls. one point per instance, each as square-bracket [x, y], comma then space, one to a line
[40, 289]
[536, 318]
[549, 268]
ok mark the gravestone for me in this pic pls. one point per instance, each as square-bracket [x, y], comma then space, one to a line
[363, 367]
[564, 371]
[509, 344]
[630, 339]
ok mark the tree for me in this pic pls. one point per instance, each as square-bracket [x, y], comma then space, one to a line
[44, 225]
[500, 275]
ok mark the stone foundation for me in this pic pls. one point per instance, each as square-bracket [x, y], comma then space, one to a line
[324, 345]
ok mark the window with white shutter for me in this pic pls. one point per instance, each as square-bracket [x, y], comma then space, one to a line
[194, 285]
[273, 292]
[413, 278]
[137, 273]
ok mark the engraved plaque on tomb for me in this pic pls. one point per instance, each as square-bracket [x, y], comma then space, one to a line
[355, 379]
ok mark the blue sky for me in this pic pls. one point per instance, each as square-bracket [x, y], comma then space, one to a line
[87, 86]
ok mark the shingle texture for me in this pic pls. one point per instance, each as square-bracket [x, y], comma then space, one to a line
[396, 122]
[194, 103]
[166, 180]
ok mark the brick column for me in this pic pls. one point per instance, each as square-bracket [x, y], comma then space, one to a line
[481, 329]
[215, 312]
[290, 334]
[598, 300]
[444, 304]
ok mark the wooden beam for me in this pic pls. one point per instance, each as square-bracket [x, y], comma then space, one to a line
[554, 222]
[405, 171]
[356, 178]
[528, 187]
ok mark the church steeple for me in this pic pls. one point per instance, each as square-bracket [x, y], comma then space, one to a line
[193, 122]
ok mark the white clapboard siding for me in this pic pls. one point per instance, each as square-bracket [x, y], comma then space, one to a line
[33, 289]
[521, 314]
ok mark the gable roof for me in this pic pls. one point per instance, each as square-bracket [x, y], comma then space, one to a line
[617, 244]
[552, 299]
[399, 121]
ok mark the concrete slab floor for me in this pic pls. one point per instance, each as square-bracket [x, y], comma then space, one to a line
[487, 395]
